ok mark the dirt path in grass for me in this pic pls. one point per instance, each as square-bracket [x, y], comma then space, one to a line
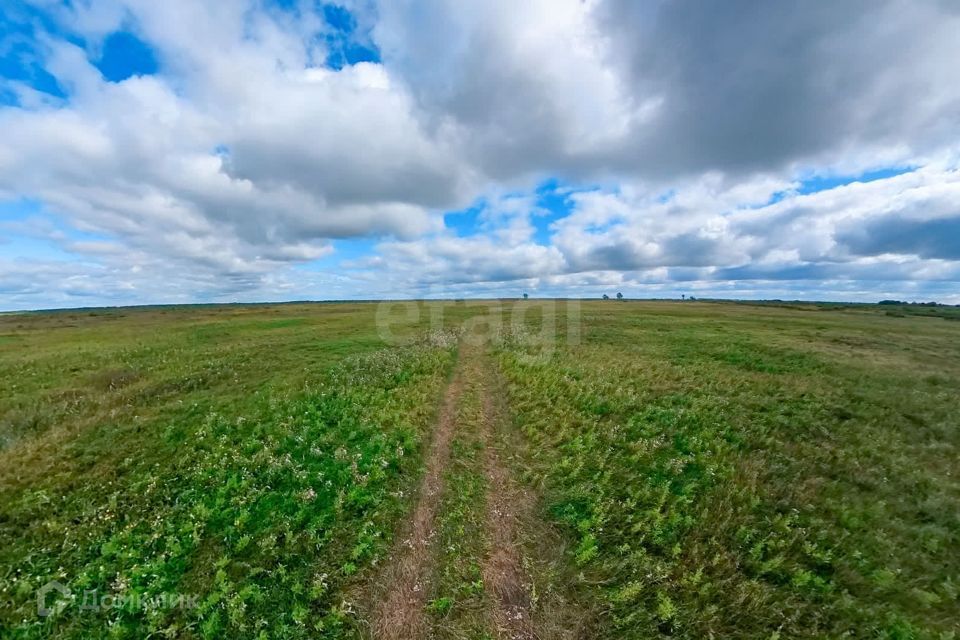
[507, 512]
[507, 505]
[400, 614]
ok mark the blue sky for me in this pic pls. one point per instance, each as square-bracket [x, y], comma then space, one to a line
[253, 151]
[124, 55]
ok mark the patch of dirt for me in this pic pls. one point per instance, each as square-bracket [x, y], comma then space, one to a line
[527, 554]
[507, 504]
[521, 547]
[400, 614]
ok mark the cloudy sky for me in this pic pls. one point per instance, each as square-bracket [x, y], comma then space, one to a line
[253, 150]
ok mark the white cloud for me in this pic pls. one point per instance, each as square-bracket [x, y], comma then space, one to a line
[245, 156]
[243, 159]
[702, 232]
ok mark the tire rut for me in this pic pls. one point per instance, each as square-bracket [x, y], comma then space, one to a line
[507, 504]
[400, 615]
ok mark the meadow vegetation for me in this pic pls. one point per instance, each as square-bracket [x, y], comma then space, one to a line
[697, 469]
[751, 471]
[255, 458]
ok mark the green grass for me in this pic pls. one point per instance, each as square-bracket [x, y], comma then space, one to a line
[703, 469]
[252, 457]
[752, 471]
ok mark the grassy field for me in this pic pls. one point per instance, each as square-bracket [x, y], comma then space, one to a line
[253, 457]
[692, 469]
[752, 471]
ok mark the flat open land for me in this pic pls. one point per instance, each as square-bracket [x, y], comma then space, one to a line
[481, 469]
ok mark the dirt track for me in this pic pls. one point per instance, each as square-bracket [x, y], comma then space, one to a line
[401, 613]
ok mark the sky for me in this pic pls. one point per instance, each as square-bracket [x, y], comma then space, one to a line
[269, 150]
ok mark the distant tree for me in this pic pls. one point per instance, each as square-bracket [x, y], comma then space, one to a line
[619, 296]
[525, 296]
[692, 298]
[606, 297]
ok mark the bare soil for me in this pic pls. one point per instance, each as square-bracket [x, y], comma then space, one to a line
[507, 504]
[513, 532]
[400, 615]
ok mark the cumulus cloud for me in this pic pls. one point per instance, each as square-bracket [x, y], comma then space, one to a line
[503, 251]
[525, 87]
[753, 86]
[248, 154]
[688, 136]
[674, 88]
[902, 228]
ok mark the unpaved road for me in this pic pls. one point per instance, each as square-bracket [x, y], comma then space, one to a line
[503, 572]
[401, 613]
